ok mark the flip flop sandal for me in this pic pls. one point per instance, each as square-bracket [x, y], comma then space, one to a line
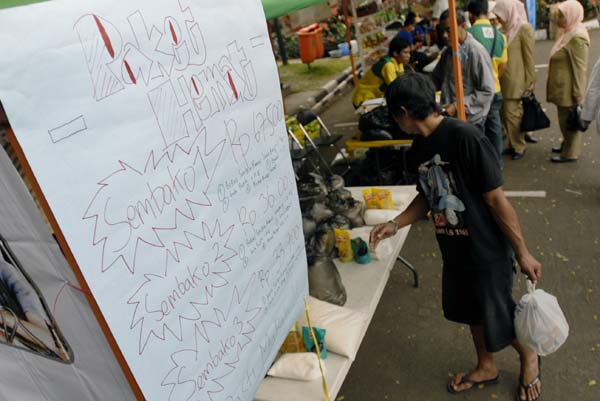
[474, 384]
[526, 387]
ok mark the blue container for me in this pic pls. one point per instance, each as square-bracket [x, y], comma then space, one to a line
[345, 49]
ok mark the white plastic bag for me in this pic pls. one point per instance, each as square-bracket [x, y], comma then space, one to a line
[540, 324]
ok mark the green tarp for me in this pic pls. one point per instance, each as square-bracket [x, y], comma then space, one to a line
[273, 8]
[276, 8]
[14, 3]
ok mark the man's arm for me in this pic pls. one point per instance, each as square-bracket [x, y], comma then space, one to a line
[502, 69]
[507, 219]
[416, 210]
[503, 59]
[483, 81]
[437, 75]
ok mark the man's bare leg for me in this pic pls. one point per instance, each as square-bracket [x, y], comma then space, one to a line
[486, 366]
[529, 371]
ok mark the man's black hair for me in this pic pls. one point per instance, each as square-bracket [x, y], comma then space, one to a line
[413, 91]
[397, 45]
[411, 19]
[460, 16]
[478, 7]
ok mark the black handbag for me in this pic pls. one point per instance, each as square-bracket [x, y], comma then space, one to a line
[574, 121]
[534, 117]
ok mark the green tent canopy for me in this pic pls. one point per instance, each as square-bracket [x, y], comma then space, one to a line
[277, 8]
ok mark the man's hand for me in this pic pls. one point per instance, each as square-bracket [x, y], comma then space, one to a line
[380, 232]
[450, 110]
[578, 99]
[530, 267]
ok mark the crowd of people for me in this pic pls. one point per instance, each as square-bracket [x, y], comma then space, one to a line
[458, 164]
[496, 50]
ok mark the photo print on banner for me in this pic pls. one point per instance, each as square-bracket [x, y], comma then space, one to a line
[26, 322]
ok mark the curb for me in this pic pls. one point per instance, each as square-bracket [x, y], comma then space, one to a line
[329, 90]
[331, 86]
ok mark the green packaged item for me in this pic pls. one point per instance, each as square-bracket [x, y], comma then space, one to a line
[309, 344]
[360, 249]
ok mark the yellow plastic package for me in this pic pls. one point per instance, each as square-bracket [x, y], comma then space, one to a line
[376, 198]
[370, 197]
[293, 342]
[344, 245]
[384, 199]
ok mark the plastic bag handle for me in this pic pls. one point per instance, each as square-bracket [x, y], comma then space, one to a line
[530, 286]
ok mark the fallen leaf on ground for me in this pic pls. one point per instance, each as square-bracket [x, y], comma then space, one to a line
[592, 383]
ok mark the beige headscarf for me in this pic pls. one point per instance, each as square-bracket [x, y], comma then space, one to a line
[573, 13]
[513, 16]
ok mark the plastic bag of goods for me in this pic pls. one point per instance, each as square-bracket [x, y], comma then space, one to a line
[325, 282]
[540, 324]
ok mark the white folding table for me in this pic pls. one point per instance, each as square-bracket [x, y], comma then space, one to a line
[364, 286]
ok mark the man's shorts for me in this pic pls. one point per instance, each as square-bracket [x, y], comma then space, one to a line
[482, 295]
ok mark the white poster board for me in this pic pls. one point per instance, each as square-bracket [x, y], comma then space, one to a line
[156, 132]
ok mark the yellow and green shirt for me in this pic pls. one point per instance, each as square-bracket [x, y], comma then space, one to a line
[373, 84]
[483, 32]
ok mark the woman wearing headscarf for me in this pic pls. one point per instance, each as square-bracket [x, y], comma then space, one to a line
[567, 74]
[519, 77]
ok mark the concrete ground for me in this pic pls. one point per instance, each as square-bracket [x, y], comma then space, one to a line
[410, 350]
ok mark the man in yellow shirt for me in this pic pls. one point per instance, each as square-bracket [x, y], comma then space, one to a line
[495, 43]
[374, 83]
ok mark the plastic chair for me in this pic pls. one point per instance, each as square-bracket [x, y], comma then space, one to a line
[325, 138]
[303, 153]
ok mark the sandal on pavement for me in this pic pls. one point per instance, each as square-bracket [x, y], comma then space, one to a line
[525, 387]
[474, 384]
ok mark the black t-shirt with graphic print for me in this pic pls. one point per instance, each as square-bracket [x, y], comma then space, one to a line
[455, 166]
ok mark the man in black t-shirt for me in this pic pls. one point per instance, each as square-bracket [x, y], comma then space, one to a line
[477, 229]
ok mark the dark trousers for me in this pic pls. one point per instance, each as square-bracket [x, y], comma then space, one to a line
[493, 125]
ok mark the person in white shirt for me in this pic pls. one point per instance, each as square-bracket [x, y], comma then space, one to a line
[591, 105]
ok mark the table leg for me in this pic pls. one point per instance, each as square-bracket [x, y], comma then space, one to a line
[412, 269]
